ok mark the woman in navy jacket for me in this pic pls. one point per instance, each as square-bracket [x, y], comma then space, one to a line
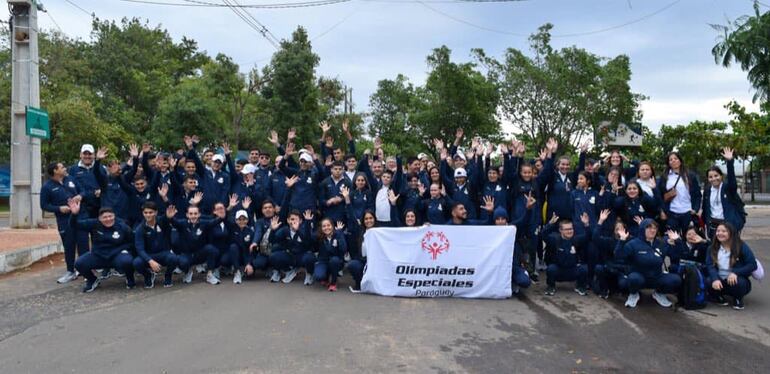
[730, 263]
[332, 247]
[645, 255]
[718, 204]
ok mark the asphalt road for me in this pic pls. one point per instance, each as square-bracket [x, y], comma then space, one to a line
[262, 327]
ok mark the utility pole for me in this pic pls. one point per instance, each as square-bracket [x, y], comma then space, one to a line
[25, 92]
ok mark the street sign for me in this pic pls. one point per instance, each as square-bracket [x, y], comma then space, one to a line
[37, 123]
[623, 135]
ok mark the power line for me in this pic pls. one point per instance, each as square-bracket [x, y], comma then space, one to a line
[264, 28]
[303, 4]
[90, 14]
[334, 26]
[258, 26]
[504, 32]
[206, 4]
[54, 21]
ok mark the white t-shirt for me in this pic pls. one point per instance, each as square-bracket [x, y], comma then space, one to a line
[681, 203]
[723, 262]
[382, 205]
[716, 203]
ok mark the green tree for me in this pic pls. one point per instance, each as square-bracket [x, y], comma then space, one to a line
[454, 96]
[562, 93]
[133, 67]
[74, 122]
[745, 41]
[191, 108]
[292, 92]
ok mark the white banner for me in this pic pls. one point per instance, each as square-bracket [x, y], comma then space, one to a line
[440, 261]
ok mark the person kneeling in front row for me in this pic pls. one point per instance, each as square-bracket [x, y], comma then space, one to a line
[645, 255]
[730, 262]
[565, 265]
[111, 240]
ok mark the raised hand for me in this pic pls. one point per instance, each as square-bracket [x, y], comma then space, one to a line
[275, 223]
[172, 162]
[233, 201]
[584, 147]
[544, 154]
[585, 219]
[308, 215]
[291, 134]
[673, 235]
[290, 182]
[552, 145]
[638, 220]
[163, 191]
[421, 188]
[290, 149]
[605, 213]
[392, 197]
[503, 148]
[133, 150]
[727, 153]
[197, 198]
[438, 143]
[170, 212]
[325, 127]
[340, 226]
[273, 139]
[345, 125]
[531, 201]
[226, 148]
[489, 204]
[345, 192]
[195, 139]
[246, 202]
[101, 153]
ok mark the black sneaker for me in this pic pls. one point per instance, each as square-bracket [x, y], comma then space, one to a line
[720, 300]
[167, 281]
[550, 291]
[149, 282]
[581, 291]
[105, 274]
[534, 277]
[130, 285]
[91, 285]
[738, 304]
[605, 294]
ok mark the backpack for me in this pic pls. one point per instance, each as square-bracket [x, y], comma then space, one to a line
[692, 295]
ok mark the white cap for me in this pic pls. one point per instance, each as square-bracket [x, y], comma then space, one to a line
[218, 157]
[460, 173]
[422, 156]
[305, 157]
[460, 155]
[248, 169]
[87, 148]
[303, 150]
[241, 213]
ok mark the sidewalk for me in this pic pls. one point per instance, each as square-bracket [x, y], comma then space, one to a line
[21, 248]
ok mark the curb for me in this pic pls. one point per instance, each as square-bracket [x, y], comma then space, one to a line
[23, 257]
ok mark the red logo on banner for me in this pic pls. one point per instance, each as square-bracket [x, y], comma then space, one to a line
[435, 243]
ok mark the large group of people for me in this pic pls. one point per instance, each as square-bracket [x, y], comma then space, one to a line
[608, 225]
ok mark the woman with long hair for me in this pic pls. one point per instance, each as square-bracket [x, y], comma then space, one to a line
[332, 247]
[681, 194]
[720, 197]
[356, 248]
[730, 263]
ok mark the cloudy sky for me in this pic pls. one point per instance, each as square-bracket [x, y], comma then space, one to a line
[363, 41]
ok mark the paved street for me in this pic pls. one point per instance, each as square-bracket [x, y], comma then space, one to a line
[262, 327]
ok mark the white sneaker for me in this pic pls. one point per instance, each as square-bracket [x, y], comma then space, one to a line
[177, 271]
[339, 273]
[515, 289]
[67, 277]
[188, 277]
[308, 279]
[353, 290]
[237, 278]
[633, 298]
[200, 269]
[290, 275]
[216, 273]
[275, 276]
[211, 279]
[661, 299]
